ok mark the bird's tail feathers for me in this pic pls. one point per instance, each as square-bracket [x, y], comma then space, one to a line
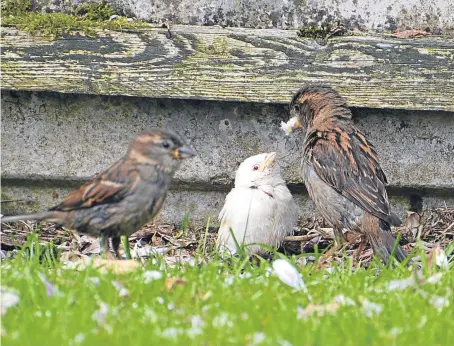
[40, 216]
[384, 244]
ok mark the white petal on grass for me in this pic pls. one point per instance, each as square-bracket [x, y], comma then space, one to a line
[440, 258]
[257, 338]
[439, 303]
[422, 322]
[94, 280]
[318, 310]
[283, 342]
[343, 300]
[288, 274]
[79, 338]
[222, 321]
[415, 280]
[8, 298]
[400, 285]
[196, 327]
[100, 315]
[370, 308]
[171, 333]
[50, 289]
[122, 291]
[394, 332]
[228, 281]
[434, 278]
[150, 315]
[151, 275]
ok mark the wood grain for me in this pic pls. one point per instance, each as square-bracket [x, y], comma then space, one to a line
[233, 64]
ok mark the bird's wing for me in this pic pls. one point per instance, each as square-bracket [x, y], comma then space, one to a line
[109, 187]
[348, 162]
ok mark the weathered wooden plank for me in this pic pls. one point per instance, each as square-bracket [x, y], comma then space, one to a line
[233, 64]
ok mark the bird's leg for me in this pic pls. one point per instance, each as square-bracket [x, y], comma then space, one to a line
[104, 243]
[339, 243]
[116, 245]
[360, 249]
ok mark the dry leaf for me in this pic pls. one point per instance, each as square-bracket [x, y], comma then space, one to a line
[171, 283]
[116, 266]
[320, 310]
[411, 33]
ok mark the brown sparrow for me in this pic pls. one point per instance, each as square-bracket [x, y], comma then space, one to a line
[126, 196]
[341, 170]
[260, 208]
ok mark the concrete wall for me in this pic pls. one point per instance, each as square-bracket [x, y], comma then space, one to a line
[385, 15]
[52, 142]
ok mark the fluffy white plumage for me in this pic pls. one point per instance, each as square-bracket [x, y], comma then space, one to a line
[259, 209]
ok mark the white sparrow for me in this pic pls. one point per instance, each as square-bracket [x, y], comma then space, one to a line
[260, 208]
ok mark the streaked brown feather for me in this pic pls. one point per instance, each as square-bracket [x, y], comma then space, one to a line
[340, 161]
[110, 186]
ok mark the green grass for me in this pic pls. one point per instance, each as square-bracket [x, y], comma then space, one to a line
[220, 304]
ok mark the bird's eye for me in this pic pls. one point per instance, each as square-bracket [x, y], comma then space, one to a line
[255, 167]
[166, 144]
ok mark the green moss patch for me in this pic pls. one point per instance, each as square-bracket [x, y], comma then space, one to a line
[86, 19]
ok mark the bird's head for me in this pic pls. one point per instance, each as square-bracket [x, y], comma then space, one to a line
[316, 106]
[160, 147]
[258, 170]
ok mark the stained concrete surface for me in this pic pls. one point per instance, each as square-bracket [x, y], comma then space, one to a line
[52, 142]
[385, 15]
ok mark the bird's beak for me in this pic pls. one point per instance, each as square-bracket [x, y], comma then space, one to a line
[183, 152]
[269, 161]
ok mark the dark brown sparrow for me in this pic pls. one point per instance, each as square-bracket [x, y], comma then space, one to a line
[124, 197]
[341, 170]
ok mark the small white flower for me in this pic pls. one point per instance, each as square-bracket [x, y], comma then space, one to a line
[422, 322]
[101, 314]
[196, 327]
[257, 338]
[400, 285]
[371, 308]
[434, 278]
[228, 281]
[343, 300]
[151, 275]
[122, 291]
[222, 320]
[160, 300]
[283, 342]
[79, 338]
[8, 299]
[288, 274]
[288, 126]
[94, 280]
[394, 332]
[171, 333]
[439, 303]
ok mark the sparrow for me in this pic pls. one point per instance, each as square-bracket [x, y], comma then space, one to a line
[341, 170]
[259, 209]
[126, 196]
